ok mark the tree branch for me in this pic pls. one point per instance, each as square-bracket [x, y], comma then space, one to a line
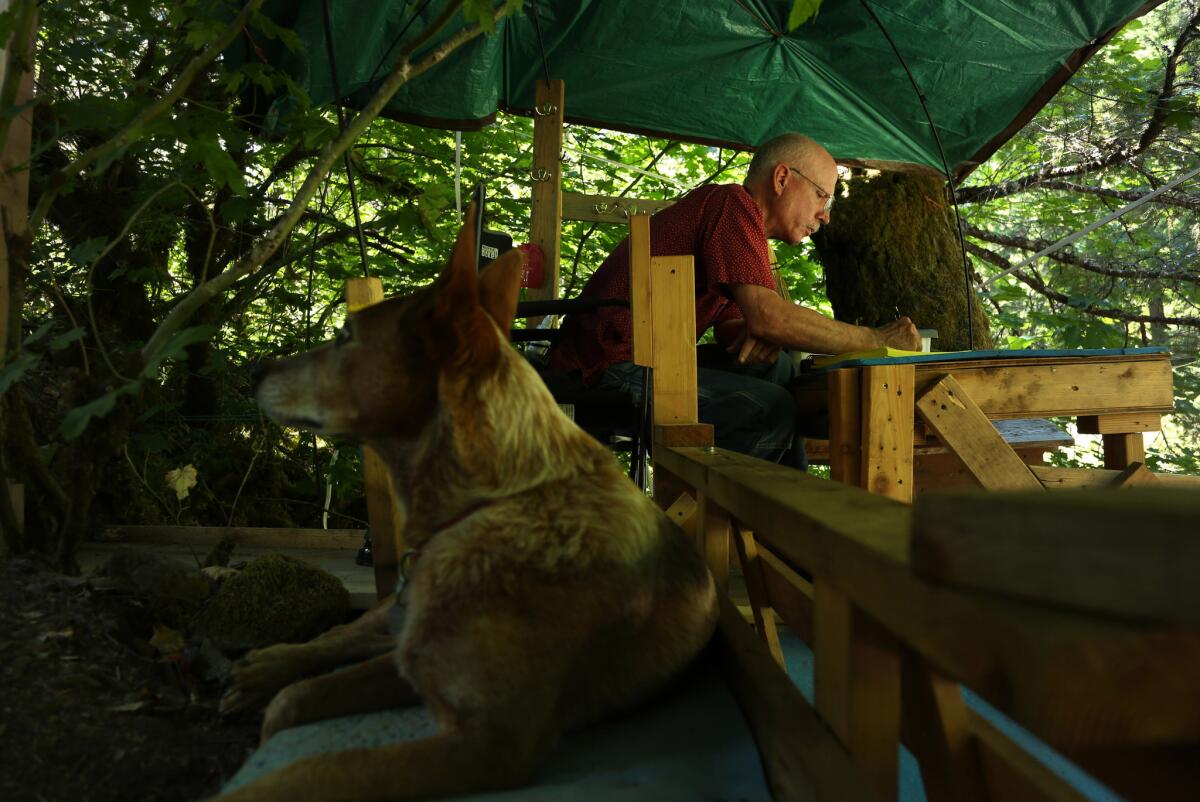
[400, 75]
[1063, 257]
[1039, 286]
[1117, 152]
[134, 129]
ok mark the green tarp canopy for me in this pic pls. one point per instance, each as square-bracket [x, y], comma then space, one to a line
[725, 72]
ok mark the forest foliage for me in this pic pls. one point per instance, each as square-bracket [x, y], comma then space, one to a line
[155, 187]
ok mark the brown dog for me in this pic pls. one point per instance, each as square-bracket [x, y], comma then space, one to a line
[547, 592]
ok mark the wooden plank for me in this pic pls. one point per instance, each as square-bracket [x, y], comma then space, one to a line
[1150, 773]
[1134, 555]
[1119, 424]
[791, 594]
[545, 229]
[937, 731]
[387, 530]
[1070, 386]
[715, 531]
[887, 425]
[1064, 675]
[608, 208]
[845, 427]
[802, 760]
[683, 512]
[684, 434]
[756, 589]
[1053, 478]
[672, 297]
[1122, 450]
[255, 536]
[640, 309]
[1010, 772]
[1136, 475]
[959, 423]
[947, 472]
[857, 686]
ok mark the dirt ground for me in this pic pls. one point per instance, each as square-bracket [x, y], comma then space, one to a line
[89, 707]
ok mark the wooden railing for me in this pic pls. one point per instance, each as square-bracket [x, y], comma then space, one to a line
[835, 564]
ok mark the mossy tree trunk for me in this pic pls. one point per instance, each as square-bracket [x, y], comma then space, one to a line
[890, 247]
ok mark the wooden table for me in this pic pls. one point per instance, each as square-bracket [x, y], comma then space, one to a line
[873, 410]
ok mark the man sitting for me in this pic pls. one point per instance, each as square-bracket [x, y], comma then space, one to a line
[787, 195]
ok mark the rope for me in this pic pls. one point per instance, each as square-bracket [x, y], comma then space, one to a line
[937, 139]
[537, 24]
[337, 104]
[458, 173]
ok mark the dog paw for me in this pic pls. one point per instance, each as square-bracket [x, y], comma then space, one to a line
[259, 676]
[286, 710]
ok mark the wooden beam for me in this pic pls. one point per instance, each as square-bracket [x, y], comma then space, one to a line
[715, 530]
[1010, 772]
[387, 530]
[937, 731]
[683, 434]
[640, 308]
[607, 208]
[756, 589]
[1119, 424]
[673, 382]
[791, 595]
[1040, 388]
[802, 760]
[1094, 478]
[856, 682]
[1061, 674]
[958, 421]
[845, 427]
[1136, 475]
[1134, 555]
[545, 228]
[1122, 450]
[1149, 773]
[887, 425]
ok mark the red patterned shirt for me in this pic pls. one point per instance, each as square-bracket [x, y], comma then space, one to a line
[721, 226]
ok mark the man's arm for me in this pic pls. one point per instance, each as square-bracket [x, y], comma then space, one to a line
[769, 317]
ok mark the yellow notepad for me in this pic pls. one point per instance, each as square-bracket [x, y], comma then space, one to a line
[870, 353]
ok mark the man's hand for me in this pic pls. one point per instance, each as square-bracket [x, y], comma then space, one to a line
[900, 333]
[748, 347]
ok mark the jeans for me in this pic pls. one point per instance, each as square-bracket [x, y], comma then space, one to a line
[749, 406]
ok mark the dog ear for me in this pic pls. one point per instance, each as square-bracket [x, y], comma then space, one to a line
[499, 286]
[457, 287]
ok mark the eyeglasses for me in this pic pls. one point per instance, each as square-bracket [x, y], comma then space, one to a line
[821, 194]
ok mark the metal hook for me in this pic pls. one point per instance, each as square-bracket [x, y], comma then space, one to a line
[539, 174]
[545, 110]
[600, 208]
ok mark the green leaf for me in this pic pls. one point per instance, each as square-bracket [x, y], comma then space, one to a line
[77, 420]
[40, 332]
[12, 372]
[802, 11]
[480, 11]
[67, 337]
[175, 347]
[83, 254]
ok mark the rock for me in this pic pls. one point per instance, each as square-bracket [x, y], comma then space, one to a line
[275, 599]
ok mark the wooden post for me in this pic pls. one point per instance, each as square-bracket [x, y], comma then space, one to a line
[715, 531]
[640, 311]
[845, 427]
[1122, 450]
[937, 729]
[887, 430]
[545, 225]
[387, 532]
[674, 394]
[857, 686]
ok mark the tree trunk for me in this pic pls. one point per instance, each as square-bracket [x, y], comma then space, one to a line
[891, 250]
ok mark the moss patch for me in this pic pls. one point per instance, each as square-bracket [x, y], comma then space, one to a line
[891, 246]
[275, 599]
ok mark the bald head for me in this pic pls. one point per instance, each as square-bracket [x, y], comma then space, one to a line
[794, 149]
